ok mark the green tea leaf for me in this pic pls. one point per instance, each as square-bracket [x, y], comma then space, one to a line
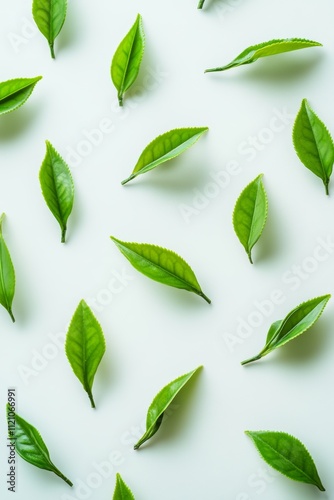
[161, 265]
[287, 455]
[14, 93]
[265, 49]
[250, 214]
[122, 491]
[160, 404]
[49, 15]
[127, 59]
[30, 445]
[313, 143]
[165, 147]
[57, 187]
[85, 346]
[294, 324]
[7, 275]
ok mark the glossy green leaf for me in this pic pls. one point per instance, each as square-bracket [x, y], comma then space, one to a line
[313, 143]
[161, 265]
[265, 49]
[122, 491]
[164, 148]
[287, 455]
[49, 15]
[57, 187]
[31, 447]
[14, 93]
[85, 346]
[250, 214]
[126, 62]
[7, 275]
[294, 324]
[160, 404]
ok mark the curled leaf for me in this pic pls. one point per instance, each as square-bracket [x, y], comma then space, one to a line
[165, 147]
[30, 445]
[126, 62]
[57, 187]
[294, 324]
[7, 275]
[14, 93]
[161, 265]
[265, 49]
[49, 15]
[313, 143]
[287, 455]
[160, 404]
[85, 346]
[250, 214]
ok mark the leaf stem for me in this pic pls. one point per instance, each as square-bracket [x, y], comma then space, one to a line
[11, 314]
[120, 99]
[90, 395]
[326, 187]
[59, 474]
[250, 257]
[201, 294]
[51, 45]
[250, 360]
[200, 4]
[63, 234]
[140, 442]
[132, 176]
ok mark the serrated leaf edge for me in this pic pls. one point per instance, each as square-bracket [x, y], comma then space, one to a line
[260, 176]
[249, 433]
[190, 375]
[201, 131]
[307, 105]
[198, 292]
[87, 390]
[33, 84]
[325, 298]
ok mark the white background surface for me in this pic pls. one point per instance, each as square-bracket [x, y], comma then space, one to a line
[155, 333]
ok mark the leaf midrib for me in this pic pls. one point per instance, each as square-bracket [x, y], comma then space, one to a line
[8, 307]
[295, 326]
[287, 460]
[253, 215]
[326, 179]
[30, 434]
[62, 222]
[130, 54]
[17, 91]
[165, 270]
[83, 350]
[162, 159]
[170, 401]
[51, 39]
